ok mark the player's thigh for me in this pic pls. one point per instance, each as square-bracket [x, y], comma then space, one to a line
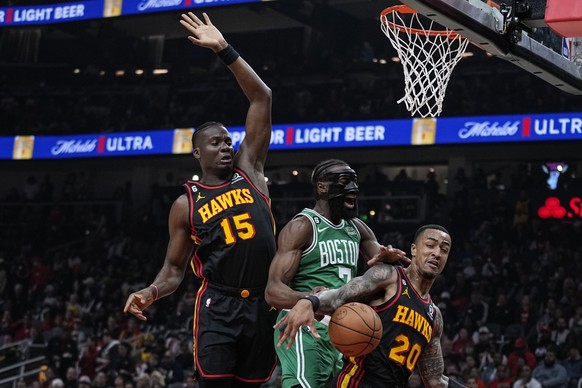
[216, 344]
[309, 362]
[256, 353]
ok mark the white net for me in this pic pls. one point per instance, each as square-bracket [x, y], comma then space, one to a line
[428, 58]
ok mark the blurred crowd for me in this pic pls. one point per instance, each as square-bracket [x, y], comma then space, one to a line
[510, 295]
[339, 78]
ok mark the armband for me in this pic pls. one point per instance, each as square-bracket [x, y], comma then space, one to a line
[157, 291]
[314, 301]
[228, 55]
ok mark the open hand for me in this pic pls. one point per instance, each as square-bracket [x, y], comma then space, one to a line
[204, 33]
[388, 255]
[300, 315]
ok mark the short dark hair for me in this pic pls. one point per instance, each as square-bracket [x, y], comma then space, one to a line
[202, 128]
[429, 226]
[320, 170]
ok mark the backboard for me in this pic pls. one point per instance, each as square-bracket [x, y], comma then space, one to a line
[513, 30]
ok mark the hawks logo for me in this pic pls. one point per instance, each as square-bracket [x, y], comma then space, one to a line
[431, 311]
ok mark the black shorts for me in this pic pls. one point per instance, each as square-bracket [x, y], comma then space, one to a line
[233, 334]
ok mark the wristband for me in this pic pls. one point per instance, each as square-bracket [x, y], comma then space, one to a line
[157, 291]
[314, 301]
[228, 55]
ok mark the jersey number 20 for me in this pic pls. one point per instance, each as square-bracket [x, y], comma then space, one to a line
[405, 354]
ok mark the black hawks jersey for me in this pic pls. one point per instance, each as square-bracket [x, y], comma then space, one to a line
[233, 228]
[407, 322]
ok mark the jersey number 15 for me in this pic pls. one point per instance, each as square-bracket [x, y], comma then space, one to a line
[242, 227]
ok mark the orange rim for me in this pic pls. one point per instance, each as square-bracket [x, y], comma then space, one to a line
[404, 9]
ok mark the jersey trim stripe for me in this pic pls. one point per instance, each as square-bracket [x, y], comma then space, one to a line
[351, 377]
[300, 360]
[426, 301]
[195, 324]
[394, 299]
[191, 202]
[313, 235]
[196, 265]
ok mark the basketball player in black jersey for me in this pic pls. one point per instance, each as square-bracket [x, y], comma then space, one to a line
[412, 323]
[223, 227]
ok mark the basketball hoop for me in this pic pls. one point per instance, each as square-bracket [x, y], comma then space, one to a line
[428, 53]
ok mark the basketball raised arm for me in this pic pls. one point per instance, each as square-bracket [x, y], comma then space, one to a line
[252, 152]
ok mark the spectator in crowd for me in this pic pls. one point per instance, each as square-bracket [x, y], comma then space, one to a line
[108, 351]
[560, 336]
[62, 351]
[460, 342]
[502, 312]
[502, 378]
[539, 339]
[489, 369]
[519, 356]
[71, 378]
[57, 383]
[84, 381]
[88, 358]
[526, 379]
[100, 380]
[550, 373]
[573, 365]
[477, 309]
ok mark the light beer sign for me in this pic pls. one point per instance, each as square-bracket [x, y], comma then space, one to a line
[554, 208]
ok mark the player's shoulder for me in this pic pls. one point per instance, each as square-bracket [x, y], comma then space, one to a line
[362, 227]
[299, 223]
[181, 201]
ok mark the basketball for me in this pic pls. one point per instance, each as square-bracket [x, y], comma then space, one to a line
[355, 329]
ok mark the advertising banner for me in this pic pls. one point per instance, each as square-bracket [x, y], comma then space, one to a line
[352, 134]
[96, 9]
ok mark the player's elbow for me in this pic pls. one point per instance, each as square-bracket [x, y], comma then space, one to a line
[263, 95]
[270, 296]
[276, 295]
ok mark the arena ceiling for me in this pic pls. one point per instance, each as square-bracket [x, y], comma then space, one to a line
[263, 17]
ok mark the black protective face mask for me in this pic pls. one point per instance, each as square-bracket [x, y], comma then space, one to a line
[337, 191]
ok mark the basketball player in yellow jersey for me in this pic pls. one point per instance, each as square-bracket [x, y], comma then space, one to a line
[412, 323]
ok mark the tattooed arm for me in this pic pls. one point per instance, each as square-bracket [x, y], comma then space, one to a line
[375, 279]
[431, 365]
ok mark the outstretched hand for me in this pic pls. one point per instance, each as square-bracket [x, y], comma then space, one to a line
[389, 255]
[138, 301]
[204, 33]
[300, 315]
